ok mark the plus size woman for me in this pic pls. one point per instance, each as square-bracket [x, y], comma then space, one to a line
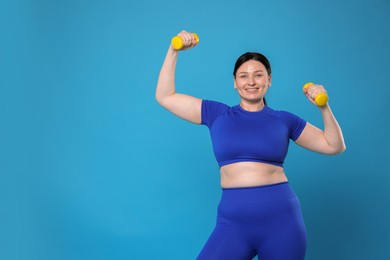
[259, 213]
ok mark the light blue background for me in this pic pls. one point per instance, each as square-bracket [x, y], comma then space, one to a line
[93, 168]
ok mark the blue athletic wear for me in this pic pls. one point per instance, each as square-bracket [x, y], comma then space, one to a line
[264, 221]
[239, 135]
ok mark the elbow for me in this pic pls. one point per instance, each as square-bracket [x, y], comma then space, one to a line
[343, 148]
[159, 98]
[338, 150]
[162, 97]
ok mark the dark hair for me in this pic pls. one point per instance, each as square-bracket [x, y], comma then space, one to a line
[252, 56]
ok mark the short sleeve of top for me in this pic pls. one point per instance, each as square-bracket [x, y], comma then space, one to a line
[294, 123]
[211, 110]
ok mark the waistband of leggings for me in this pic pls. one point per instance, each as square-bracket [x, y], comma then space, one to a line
[270, 192]
[257, 187]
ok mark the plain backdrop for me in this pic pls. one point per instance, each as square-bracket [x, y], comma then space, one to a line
[91, 167]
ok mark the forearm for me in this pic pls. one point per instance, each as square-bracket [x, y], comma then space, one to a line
[166, 79]
[332, 130]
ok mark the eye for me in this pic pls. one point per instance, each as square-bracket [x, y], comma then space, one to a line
[243, 76]
[259, 76]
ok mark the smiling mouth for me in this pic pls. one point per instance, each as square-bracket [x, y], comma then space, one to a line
[252, 89]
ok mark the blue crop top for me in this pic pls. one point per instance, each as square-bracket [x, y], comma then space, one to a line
[238, 135]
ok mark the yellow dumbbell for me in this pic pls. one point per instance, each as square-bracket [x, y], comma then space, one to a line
[321, 99]
[178, 43]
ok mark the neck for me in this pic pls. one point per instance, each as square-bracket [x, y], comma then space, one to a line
[252, 107]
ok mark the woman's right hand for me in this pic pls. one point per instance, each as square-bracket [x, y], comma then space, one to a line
[189, 40]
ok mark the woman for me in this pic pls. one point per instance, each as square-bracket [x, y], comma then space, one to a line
[259, 213]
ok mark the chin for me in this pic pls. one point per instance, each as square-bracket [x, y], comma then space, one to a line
[252, 99]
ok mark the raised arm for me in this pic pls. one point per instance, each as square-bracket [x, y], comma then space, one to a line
[330, 140]
[184, 106]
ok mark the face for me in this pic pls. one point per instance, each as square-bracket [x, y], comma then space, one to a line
[252, 81]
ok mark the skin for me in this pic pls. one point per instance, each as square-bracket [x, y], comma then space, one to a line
[251, 82]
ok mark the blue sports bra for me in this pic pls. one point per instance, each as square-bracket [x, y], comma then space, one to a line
[238, 135]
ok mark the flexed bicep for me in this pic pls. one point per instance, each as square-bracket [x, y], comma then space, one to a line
[313, 138]
[183, 106]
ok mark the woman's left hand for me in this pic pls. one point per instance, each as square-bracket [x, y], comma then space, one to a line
[312, 91]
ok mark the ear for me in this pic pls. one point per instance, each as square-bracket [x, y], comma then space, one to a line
[270, 80]
[235, 85]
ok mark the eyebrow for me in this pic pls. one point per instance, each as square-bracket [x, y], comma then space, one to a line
[253, 72]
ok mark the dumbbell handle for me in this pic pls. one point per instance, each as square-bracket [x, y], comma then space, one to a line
[178, 43]
[321, 99]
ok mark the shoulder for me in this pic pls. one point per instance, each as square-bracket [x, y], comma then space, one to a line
[281, 114]
[294, 123]
[212, 103]
[213, 106]
[211, 110]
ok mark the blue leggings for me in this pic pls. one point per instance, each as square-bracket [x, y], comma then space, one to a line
[264, 221]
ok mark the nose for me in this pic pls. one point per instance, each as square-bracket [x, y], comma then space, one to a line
[251, 80]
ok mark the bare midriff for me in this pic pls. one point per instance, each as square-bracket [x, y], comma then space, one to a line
[248, 174]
